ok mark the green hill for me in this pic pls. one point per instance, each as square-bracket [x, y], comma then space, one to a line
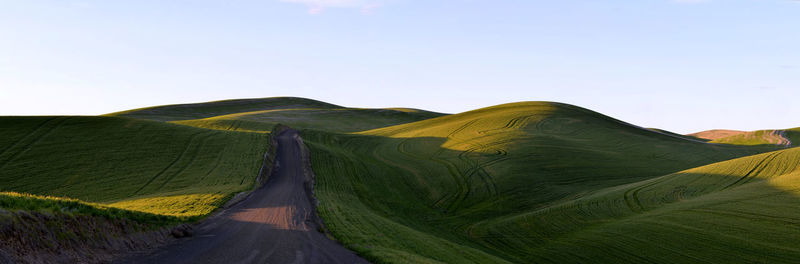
[137, 160]
[786, 138]
[329, 119]
[427, 191]
[261, 115]
[128, 163]
[529, 182]
[736, 211]
[715, 134]
[217, 108]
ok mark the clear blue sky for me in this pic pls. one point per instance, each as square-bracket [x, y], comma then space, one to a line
[685, 65]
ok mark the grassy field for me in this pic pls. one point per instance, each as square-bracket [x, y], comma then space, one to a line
[138, 160]
[442, 189]
[133, 164]
[218, 108]
[737, 211]
[261, 115]
[531, 182]
[49, 204]
[329, 119]
[788, 137]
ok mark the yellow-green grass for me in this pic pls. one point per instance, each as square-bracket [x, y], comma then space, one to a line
[788, 137]
[431, 191]
[217, 108]
[183, 205]
[61, 205]
[736, 211]
[128, 163]
[328, 119]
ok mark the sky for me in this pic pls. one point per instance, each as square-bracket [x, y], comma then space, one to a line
[679, 65]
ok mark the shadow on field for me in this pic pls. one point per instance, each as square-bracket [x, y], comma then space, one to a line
[680, 218]
[523, 202]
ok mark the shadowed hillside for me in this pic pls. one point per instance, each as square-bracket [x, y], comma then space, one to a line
[735, 211]
[430, 187]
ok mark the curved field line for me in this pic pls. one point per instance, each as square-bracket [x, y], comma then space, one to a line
[230, 125]
[216, 165]
[194, 155]
[238, 124]
[732, 237]
[756, 169]
[631, 196]
[453, 133]
[58, 121]
[516, 122]
[188, 145]
[477, 168]
[36, 129]
[375, 152]
[460, 179]
[463, 188]
[463, 184]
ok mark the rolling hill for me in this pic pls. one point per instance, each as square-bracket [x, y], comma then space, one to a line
[210, 109]
[715, 134]
[735, 211]
[427, 191]
[261, 115]
[128, 163]
[341, 120]
[88, 187]
[786, 138]
[145, 160]
[528, 182]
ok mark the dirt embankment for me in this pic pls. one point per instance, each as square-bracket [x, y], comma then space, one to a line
[43, 237]
[780, 136]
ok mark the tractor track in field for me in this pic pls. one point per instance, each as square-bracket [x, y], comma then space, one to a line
[169, 166]
[276, 223]
[40, 132]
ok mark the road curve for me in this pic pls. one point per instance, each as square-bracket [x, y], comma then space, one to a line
[275, 224]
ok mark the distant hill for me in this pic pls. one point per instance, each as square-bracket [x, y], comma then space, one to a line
[329, 119]
[261, 115]
[218, 108]
[715, 134]
[784, 138]
[689, 137]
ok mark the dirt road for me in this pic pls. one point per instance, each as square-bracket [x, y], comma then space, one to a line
[276, 224]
